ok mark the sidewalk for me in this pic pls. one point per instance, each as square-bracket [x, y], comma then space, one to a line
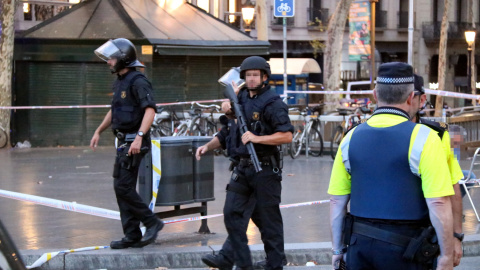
[80, 175]
[155, 256]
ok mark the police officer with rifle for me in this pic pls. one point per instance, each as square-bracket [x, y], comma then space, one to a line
[395, 175]
[132, 112]
[254, 190]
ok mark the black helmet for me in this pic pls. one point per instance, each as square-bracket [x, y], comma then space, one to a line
[121, 49]
[254, 62]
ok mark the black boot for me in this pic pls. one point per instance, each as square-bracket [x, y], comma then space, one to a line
[125, 243]
[151, 233]
[217, 261]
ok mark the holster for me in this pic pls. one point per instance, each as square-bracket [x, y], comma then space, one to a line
[277, 159]
[424, 248]
[347, 229]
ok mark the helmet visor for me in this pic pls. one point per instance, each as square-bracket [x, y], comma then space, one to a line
[107, 51]
[233, 75]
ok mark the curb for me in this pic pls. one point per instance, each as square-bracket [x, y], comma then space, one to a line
[153, 256]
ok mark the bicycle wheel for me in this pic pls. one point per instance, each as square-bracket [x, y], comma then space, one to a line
[337, 136]
[195, 131]
[3, 138]
[315, 142]
[296, 144]
[164, 128]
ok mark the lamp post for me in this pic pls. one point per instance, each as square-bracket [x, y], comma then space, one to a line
[247, 15]
[470, 38]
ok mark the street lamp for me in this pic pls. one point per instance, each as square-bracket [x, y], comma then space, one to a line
[247, 15]
[470, 38]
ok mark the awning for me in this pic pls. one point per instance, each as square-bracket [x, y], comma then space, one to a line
[295, 66]
[173, 27]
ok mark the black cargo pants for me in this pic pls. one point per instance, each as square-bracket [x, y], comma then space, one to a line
[133, 209]
[261, 202]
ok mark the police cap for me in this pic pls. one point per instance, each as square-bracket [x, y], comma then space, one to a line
[395, 73]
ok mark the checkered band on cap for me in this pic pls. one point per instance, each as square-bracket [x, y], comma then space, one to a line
[387, 80]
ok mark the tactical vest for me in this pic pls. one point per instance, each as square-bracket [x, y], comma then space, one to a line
[127, 114]
[254, 110]
[385, 181]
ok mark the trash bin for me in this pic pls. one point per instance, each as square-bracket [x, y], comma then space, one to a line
[202, 172]
[183, 180]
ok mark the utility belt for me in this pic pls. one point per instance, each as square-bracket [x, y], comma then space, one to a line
[422, 248]
[125, 136]
[274, 161]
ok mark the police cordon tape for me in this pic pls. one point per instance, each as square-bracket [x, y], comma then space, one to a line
[47, 256]
[361, 92]
[364, 92]
[100, 212]
[100, 106]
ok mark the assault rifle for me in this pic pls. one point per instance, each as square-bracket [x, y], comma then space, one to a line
[241, 122]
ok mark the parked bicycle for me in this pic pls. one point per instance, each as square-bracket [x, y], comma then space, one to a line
[160, 127]
[206, 122]
[351, 117]
[308, 135]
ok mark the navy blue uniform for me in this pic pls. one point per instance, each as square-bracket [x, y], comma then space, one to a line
[250, 194]
[132, 95]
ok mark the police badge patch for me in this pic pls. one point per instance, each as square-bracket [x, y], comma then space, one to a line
[256, 116]
[124, 94]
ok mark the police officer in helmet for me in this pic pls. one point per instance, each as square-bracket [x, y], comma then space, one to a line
[251, 194]
[131, 114]
[395, 176]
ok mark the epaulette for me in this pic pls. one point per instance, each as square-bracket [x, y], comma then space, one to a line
[439, 127]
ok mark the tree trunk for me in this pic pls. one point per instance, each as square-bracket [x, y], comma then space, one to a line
[262, 20]
[333, 52]
[442, 59]
[6, 57]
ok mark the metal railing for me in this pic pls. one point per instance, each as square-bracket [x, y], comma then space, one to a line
[403, 19]
[456, 31]
[317, 17]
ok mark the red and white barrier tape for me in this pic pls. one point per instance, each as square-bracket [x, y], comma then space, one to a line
[362, 92]
[101, 106]
[100, 212]
[427, 91]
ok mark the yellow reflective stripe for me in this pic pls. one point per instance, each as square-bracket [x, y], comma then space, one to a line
[417, 148]
[344, 146]
[157, 170]
[49, 256]
[156, 143]
[154, 194]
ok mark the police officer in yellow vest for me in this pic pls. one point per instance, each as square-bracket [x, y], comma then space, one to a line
[395, 175]
[419, 101]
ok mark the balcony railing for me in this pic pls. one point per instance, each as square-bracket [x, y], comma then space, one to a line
[277, 23]
[381, 19]
[317, 17]
[403, 19]
[456, 31]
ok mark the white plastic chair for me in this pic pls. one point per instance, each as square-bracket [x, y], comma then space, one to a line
[470, 181]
